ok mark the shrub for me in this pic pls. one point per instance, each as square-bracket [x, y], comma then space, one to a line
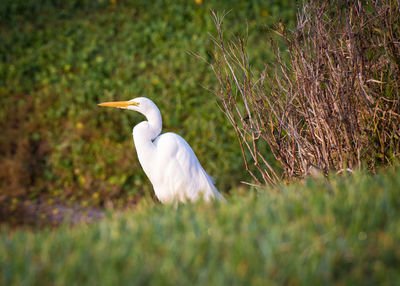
[332, 104]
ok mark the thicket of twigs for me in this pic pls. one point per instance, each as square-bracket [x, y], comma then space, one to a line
[333, 104]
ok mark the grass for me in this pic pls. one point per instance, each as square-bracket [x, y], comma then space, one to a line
[345, 231]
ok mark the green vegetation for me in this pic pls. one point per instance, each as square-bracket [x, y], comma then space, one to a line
[57, 148]
[60, 58]
[312, 233]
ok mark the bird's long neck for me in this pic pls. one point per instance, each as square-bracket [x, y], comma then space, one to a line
[155, 123]
[143, 135]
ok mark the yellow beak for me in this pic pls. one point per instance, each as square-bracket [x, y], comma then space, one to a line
[118, 103]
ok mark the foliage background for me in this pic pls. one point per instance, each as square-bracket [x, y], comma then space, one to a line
[60, 58]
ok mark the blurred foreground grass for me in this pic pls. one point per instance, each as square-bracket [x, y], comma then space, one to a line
[345, 231]
[60, 58]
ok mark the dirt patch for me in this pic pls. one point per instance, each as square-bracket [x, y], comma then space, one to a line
[40, 214]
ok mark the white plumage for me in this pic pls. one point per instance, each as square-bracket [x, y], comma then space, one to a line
[167, 159]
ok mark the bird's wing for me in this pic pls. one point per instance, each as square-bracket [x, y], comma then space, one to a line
[183, 174]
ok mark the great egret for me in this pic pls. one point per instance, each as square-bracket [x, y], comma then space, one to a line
[167, 159]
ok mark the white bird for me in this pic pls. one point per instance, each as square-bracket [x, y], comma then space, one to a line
[167, 159]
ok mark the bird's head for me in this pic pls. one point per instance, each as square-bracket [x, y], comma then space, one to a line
[139, 104]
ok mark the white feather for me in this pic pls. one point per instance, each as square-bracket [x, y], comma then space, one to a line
[168, 160]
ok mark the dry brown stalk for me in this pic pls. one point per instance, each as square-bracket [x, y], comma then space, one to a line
[333, 105]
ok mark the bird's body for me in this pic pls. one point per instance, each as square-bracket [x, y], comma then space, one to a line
[168, 160]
